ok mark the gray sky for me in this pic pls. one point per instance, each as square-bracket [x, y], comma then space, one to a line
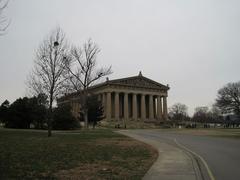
[191, 45]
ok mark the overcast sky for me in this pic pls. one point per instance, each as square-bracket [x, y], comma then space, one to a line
[194, 46]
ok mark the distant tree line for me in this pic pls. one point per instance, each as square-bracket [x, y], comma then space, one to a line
[226, 109]
[205, 115]
[22, 112]
[25, 113]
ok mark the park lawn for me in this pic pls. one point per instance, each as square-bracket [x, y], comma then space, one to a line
[216, 132]
[92, 154]
[223, 132]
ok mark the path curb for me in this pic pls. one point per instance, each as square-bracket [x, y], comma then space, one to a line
[173, 162]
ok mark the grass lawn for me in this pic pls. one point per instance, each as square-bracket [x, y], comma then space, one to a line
[93, 154]
[216, 132]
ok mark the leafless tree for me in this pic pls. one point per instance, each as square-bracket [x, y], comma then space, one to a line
[47, 75]
[202, 109]
[4, 22]
[228, 99]
[82, 72]
[178, 112]
[215, 114]
[202, 114]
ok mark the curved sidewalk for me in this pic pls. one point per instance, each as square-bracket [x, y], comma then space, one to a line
[173, 163]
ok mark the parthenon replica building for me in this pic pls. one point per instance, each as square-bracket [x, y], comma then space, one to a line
[134, 98]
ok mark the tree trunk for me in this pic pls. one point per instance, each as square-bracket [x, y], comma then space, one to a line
[85, 107]
[86, 119]
[50, 118]
[49, 123]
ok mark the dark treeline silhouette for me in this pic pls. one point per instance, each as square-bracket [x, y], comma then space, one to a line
[25, 113]
[206, 115]
[203, 117]
[22, 113]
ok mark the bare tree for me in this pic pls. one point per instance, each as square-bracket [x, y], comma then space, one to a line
[201, 114]
[228, 99]
[178, 112]
[47, 75]
[215, 114]
[4, 23]
[82, 72]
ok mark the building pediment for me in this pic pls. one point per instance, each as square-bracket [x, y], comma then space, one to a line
[138, 81]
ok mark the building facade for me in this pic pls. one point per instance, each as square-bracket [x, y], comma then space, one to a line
[134, 98]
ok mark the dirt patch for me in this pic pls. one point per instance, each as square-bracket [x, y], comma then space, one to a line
[87, 171]
[117, 167]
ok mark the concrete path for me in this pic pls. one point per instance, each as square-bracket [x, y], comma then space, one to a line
[220, 156]
[173, 163]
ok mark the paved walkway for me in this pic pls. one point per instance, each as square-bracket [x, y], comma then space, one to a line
[173, 163]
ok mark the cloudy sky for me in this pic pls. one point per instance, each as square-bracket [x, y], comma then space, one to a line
[194, 46]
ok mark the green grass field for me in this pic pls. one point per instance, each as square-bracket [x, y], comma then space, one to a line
[93, 154]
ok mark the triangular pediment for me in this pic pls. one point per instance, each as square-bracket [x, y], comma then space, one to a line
[139, 81]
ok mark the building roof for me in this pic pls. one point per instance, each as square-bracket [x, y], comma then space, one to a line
[134, 81]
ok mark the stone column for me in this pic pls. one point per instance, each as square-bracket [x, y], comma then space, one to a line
[108, 106]
[165, 111]
[134, 104]
[143, 107]
[125, 106]
[151, 115]
[99, 97]
[159, 107]
[116, 106]
[104, 104]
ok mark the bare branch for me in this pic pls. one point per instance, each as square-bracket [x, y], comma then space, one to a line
[82, 67]
[4, 22]
[82, 71]
[49, 66]
[47, 76]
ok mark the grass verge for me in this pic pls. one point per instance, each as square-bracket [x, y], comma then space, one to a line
[93, 154]
[216, 132]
